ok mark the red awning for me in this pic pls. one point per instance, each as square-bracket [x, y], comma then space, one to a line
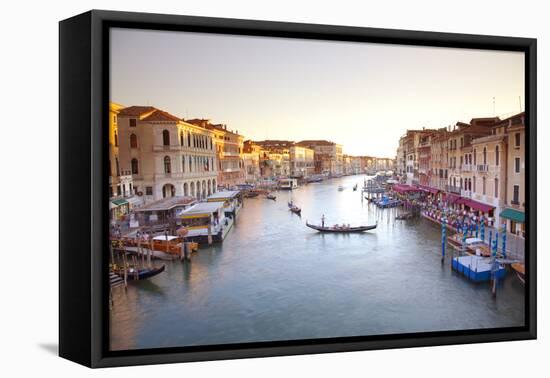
[451, 198]
[403, 188]
[428, 189]
[476, 205]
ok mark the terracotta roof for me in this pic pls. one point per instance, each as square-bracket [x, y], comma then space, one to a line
[136, 111]
[315, 143]
[159, 116]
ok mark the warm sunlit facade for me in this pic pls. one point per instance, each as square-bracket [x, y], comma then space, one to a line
[166, 156]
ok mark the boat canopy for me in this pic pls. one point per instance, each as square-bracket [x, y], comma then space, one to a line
[119, 202]
[513, 215]
[201, 210]
[223, 195]
[164, 237]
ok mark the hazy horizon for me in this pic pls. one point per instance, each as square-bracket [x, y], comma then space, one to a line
[362, 96]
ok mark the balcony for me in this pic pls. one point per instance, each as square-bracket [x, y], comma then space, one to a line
[482, 168]
[161, 148]
[230, 154]
[467, 168]
[453, 189]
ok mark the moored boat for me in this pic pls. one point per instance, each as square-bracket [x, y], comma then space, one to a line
[271, 197]
[136, 274]
[341, 228]
[519, 268]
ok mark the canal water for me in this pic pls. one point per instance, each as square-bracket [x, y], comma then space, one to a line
[275, 279]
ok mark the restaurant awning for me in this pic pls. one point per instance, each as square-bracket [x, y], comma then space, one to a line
[402, 188]
[428, 189]
[119, 202]
[476, 205]
[451, 198]
[514, 215]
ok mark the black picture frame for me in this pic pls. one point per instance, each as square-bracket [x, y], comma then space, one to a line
[83, 161]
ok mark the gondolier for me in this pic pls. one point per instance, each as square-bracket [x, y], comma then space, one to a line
[323, 220]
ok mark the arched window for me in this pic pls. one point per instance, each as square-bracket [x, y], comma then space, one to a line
[496, 188]
[484, 186]
[188, 139]
[190, 164]
[133, 141]
[135, 168]
[484, 156]
[181, 138]
[165, 137]
[474, 183]
[167, 165]
[475, 157]
[497, 156]
[183, 161]
[116, 139]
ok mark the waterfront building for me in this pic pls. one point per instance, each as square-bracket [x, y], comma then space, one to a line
[514, 211]
[438, 159]
[424, 159]
[302, 161]
[461, 155]
[119, 184]
[328, 156]
[229, 149]
[356, 165]
[165, 155]
[275, 158]
[251, 159]
[488, 171]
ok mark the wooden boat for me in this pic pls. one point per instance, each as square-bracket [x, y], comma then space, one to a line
[341, 229]
[519, 268]
[355, 188]
[296, 210]
[271, 197]
[136, 274]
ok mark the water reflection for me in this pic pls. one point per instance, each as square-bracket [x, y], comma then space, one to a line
[275, 279]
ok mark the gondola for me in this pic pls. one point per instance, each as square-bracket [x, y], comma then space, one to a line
[296, 210]
[355, 188]
[134, 274]
[271, 197]
[251, 194]
[340, 229]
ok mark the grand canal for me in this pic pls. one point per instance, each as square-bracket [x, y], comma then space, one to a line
[275, 279]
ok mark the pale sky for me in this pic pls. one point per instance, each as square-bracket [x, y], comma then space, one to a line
[363, 96]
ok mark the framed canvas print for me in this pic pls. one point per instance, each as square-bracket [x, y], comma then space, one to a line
[234, 188]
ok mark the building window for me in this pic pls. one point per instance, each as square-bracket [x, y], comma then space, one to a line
[135, 169]
[149, 190]
[475, 157]
[497, 155]
[116, 139]
[165, 137]
[515, 199]
[517, 137]
[484, 180]
[484, 157]
[183, 163]
[133, 122]
[117, 167]
[474, 184]
[133, 141]
[188, 139]
[181, 138]
[517, 164]
[496, 188]
[167, 165]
